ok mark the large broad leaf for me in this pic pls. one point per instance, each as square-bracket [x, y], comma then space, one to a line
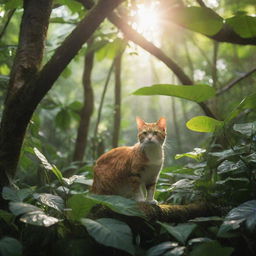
[47, 165]
[38, 218]
[80, 206]
[78, 179]
[204, 124]
[111, 232]
[181, 232]
[246, 212]
[10, 247]
[32, 214]
[17, 195]
[196, 154]
[199, 19]
[18, 208]
[63, 119]
[247, 129]
[118, 204]
[227, 227]
[243, 25]
[50, 200]
[231, 168]
[160, 249]
[197, 93]
[211, 248]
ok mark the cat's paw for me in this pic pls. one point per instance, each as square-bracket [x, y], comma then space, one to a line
[153, 201]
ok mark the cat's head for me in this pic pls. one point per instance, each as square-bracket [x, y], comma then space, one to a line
[151, 133]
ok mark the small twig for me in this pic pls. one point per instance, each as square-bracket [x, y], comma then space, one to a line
[201, 3]
[9, 17]
[235, 81]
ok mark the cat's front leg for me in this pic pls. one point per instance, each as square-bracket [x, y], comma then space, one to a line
[150, 193]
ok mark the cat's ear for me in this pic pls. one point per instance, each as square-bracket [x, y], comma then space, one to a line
[161, 123]
[140, 122]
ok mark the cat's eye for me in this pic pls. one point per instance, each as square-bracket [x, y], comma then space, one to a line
[145, 133]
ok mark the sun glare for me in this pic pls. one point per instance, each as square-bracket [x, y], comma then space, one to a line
[146, 20]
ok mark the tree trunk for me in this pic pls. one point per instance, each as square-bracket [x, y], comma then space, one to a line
[28, 87]
[88, 105]
[117, 108]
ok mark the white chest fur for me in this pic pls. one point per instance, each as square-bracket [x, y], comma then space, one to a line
[154, 153]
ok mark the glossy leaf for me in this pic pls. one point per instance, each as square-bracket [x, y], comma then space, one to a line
[159, 249]
[118, 204]
[181, 231]
[48, 166]
[17, 195]
[204, 124]
[246, 212]
[50, 200]
[10, 247]
[247, 129]
[199, 19]
[111, 232]
[196, 154]
[18, 208]
[243, 25]
[197, 93]
[80, 206]
[38, 218]
[211, 248]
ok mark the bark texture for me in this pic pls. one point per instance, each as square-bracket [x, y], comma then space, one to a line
[88, 105]
[27, 85]
[117, 108]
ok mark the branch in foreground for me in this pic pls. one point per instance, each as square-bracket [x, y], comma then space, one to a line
[166, 213]
[235, 81]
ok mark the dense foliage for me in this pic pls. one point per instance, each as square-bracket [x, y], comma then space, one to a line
[208, 98]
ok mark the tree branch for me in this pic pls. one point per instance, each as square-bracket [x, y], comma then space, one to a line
[235, 81]
[8, 15]
[164, 212]
[29, 55]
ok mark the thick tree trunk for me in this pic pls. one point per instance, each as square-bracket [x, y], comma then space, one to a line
[117, 108]
[88, 105]
[27, 62]
[27, 88]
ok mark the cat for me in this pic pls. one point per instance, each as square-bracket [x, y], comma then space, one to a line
[132, 172]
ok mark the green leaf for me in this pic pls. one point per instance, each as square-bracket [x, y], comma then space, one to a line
[199, 19]
[80, 206]
[159, 249]
[118, 204]
[248, 102]
[243, 25]
[211, 248]
[18, 208]
[196, 154]
[246, 212]
[48, 166]
[63, 119]
[230, 168]
[197, 93]
[207, 219]
[247, 129]
[6, 216]
[75, 106]
[227, 227]
[111, 232]
[178, 251]
[13, 4]
[10, 247]
[17, 195]
[204, 124]
[38, 218]
[181, 232]
[78, 179]
[50, 200]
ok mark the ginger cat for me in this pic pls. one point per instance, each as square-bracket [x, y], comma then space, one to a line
[133, 172]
